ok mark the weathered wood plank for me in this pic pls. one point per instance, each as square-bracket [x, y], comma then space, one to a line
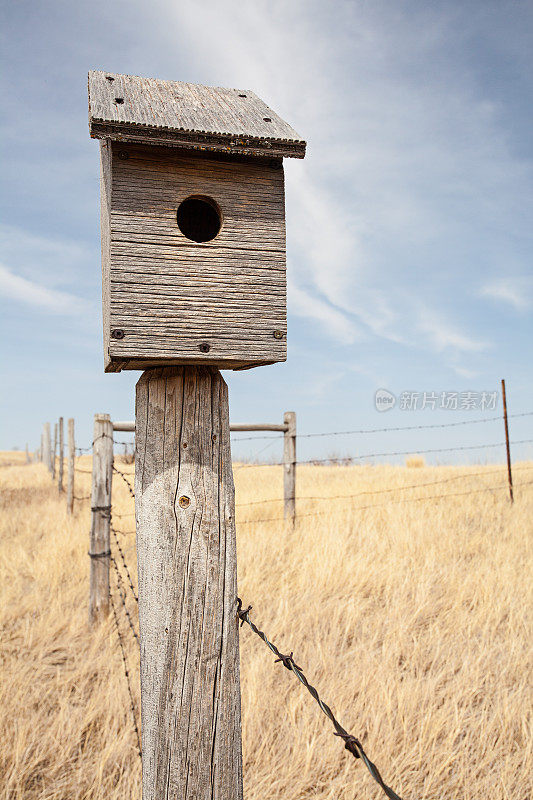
[167, 296]
[127, 107]
[99, 550]
[105, 215]
[187, 587]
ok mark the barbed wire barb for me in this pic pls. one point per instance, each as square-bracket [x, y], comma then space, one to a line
[351, 744]
[126, 481]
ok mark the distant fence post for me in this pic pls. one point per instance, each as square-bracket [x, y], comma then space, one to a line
[54, 451]
[47, 447]
[509, 472]
[61, 453]
[99, 550]
[71, 461]
[27, 454]
[289, 466]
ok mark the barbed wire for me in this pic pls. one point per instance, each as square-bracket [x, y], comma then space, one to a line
[351, 743]
[387, 430]
[122, 593]
[114, 532]
[127, 674]
[277, 435]
[383, 491]
[389, 503]
[126, 481]
[349, 459]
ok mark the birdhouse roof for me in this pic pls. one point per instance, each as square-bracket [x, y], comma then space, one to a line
[146, 110]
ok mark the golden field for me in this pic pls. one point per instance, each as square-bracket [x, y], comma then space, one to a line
[411, 617]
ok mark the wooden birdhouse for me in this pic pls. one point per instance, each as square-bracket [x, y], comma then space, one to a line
[193, 223]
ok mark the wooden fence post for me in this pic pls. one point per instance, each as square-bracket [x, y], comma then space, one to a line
[47, 457]
[71, 466]
[99, 550]
[190, 692]
[54, 451]
[28, 460]
[289, 466]
[61, 453]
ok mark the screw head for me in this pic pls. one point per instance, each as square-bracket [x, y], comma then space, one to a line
[204, 347]
[278, 334]
[117, 333]
[184, 501]
[123, 155]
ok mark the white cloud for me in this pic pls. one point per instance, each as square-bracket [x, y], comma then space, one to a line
[333, 321]
[443, 336]
[517, 292]
[15, 287]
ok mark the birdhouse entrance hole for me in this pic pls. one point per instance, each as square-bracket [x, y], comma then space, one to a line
[199, 219]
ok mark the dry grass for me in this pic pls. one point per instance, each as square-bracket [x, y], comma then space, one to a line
[412, 619]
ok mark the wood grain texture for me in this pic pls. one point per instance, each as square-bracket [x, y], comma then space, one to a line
[187, 115]
[289, 466]
[169, 295]
[186, 555]
[105, 236]
[71, 466]
[102, 475]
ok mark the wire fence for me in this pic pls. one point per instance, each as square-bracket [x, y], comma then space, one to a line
[124, 595]
[347, 460]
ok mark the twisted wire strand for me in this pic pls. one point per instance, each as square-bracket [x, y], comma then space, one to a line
[127, 674]
[122, 593]
[114, 532]
[350, 459]
[351, 743]
[390, 503]
[126, 481]
[387, 430]
[387, 490]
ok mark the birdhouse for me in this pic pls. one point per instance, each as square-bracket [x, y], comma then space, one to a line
[192, 223]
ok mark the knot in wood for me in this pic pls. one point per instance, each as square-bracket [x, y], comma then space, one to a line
[184, 501]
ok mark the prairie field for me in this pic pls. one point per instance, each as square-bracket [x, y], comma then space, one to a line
[408, 606]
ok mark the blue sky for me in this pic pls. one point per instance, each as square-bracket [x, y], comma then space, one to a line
[408, 224]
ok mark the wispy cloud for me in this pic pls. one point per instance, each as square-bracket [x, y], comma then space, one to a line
[442, 336]
[335, 323]
[407, 161]
[53, 301]
[516, 292]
